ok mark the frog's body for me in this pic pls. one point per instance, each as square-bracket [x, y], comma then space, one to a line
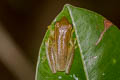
[60, 52]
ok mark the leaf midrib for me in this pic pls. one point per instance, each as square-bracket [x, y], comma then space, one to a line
[80, 49]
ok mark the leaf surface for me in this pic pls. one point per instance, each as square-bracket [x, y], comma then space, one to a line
[91, 61]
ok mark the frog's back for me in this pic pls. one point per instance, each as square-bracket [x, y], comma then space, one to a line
[62, 38]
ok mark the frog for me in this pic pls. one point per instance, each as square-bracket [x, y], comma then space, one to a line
[60, 47]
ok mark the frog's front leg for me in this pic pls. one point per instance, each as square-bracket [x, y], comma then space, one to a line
[70, 57]
[50, 53]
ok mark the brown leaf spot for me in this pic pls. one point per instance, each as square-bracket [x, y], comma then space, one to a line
[107, 25]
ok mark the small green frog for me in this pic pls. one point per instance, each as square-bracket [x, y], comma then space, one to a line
[60, 47]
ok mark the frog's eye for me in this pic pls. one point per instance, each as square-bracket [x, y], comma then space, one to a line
[57, 24]
[70, 26]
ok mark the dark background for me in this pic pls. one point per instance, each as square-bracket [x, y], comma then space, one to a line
[25, 22]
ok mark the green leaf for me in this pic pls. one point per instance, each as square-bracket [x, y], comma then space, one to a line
[91, 61]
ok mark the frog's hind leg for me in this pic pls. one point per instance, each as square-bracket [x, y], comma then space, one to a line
[50, 56]
[70, 58]
[50, 53]
[70, 52]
